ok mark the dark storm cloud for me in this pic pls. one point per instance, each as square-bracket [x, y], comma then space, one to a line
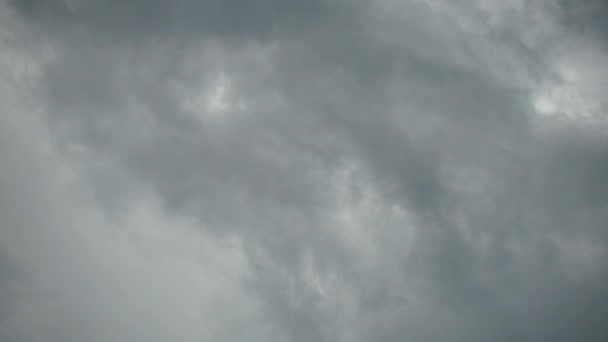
[586, 17]
[232, 19]
[382, 165]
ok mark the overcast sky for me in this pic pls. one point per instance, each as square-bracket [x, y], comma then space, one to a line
[303, 170]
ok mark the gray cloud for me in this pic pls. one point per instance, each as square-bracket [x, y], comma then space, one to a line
[288, 170]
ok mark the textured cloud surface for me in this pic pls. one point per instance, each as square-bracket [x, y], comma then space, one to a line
[286, 170]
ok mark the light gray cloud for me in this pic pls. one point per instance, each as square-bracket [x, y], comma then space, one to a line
[303, 170]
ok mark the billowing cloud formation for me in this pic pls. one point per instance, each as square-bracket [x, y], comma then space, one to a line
[322, 170]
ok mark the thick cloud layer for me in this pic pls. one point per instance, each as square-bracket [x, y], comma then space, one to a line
[322, 170]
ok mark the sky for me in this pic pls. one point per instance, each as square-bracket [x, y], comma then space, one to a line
[287, 170]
